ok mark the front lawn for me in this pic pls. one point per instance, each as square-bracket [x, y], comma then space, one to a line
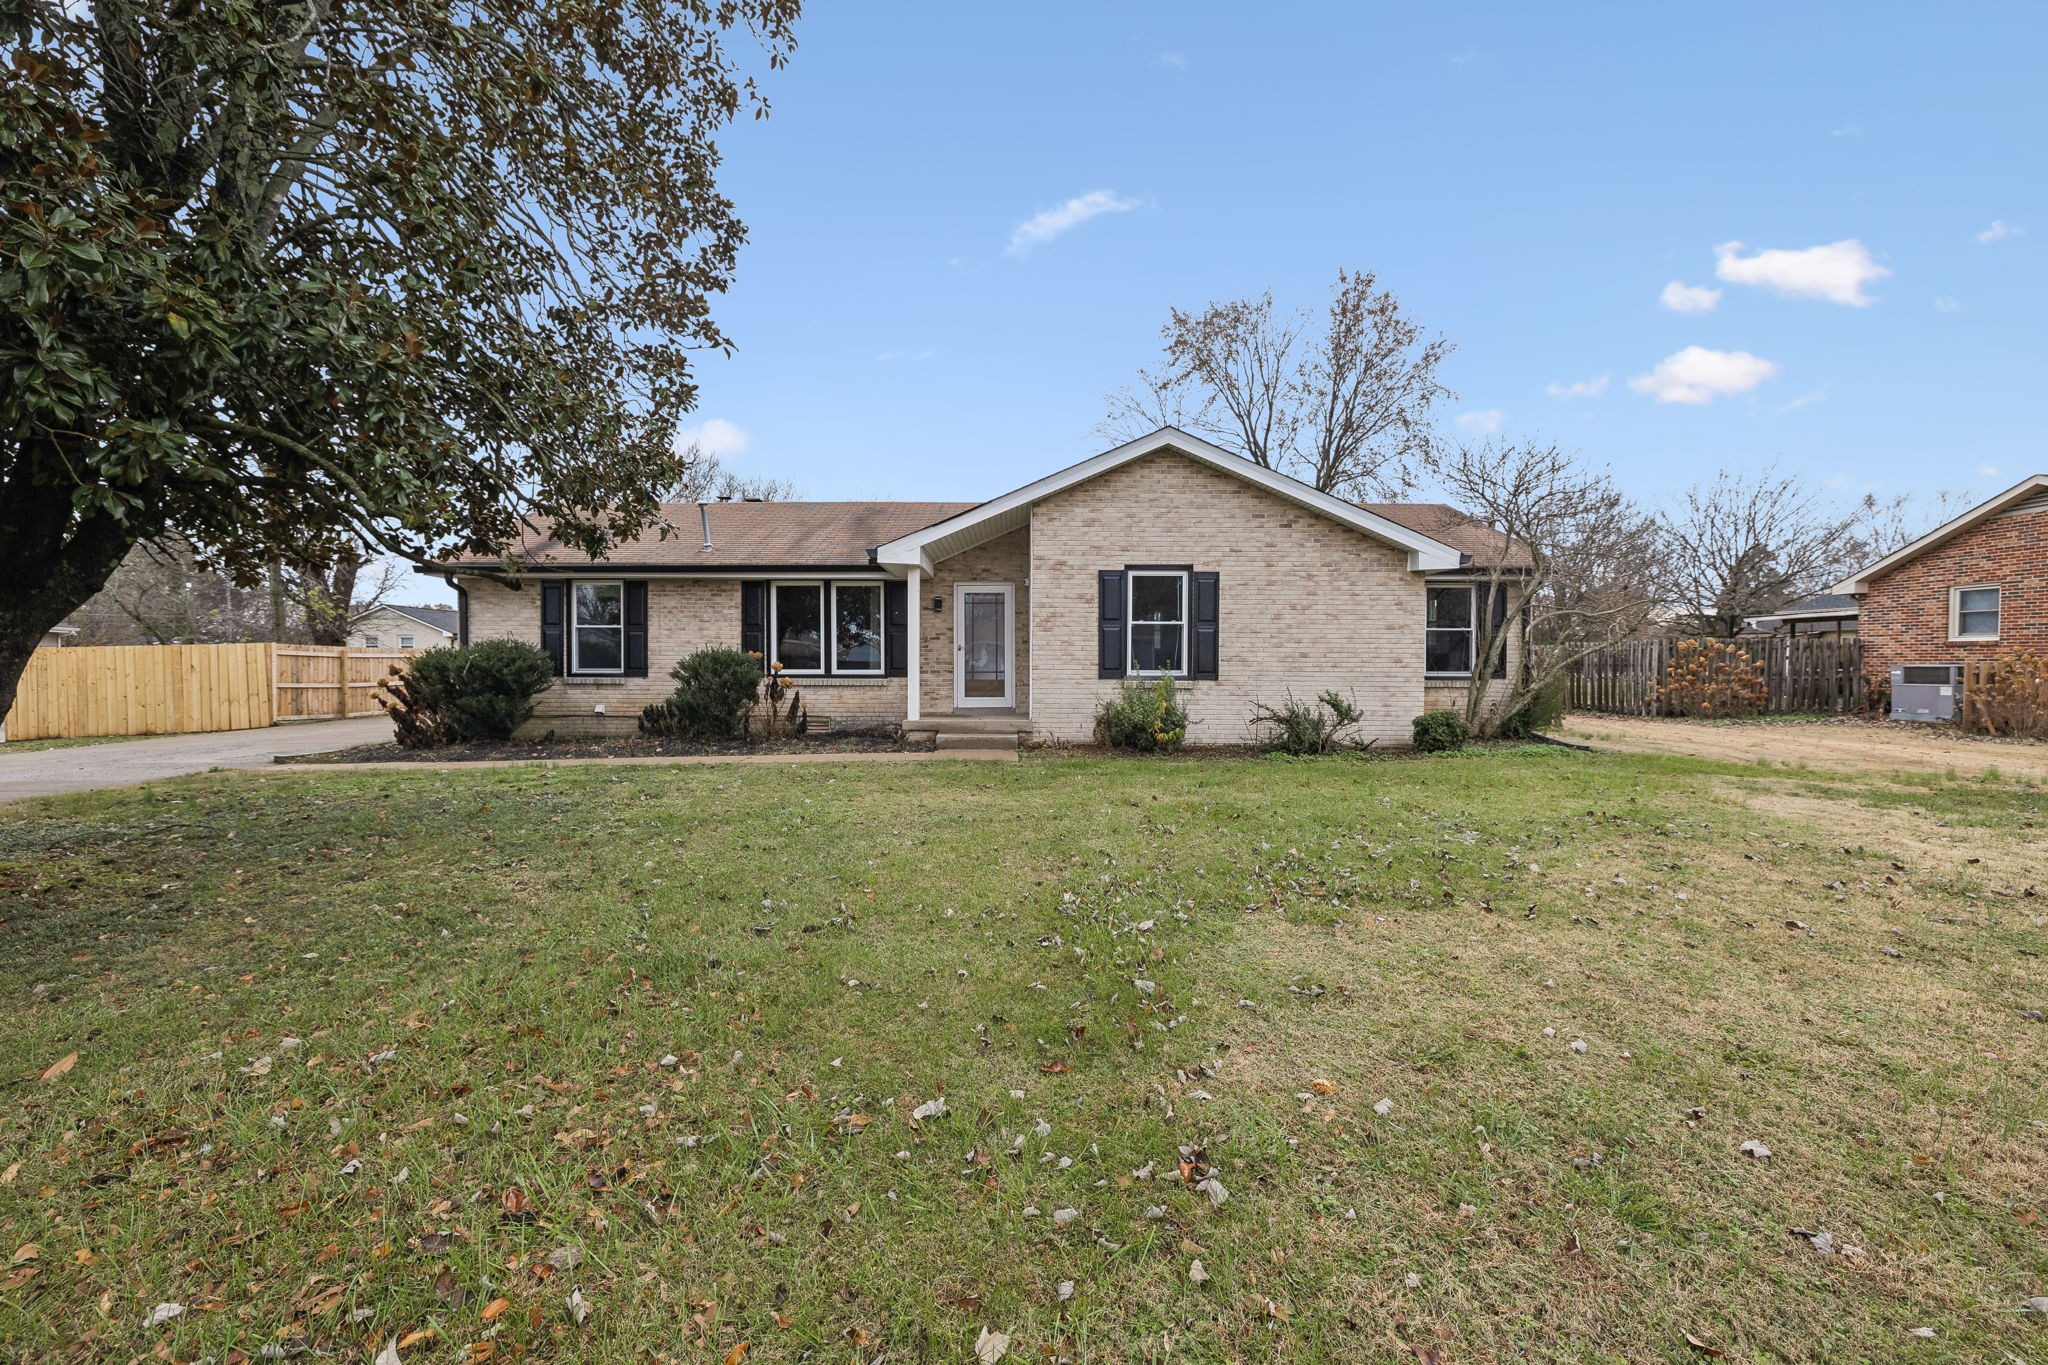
[646, 1064]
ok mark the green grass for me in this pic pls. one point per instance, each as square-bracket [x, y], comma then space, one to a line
[36, 746]
[823, 948]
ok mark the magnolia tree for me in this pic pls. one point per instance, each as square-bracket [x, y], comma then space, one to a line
[297, 281]
[1578, 567]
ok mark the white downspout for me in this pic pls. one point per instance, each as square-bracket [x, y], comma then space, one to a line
[915, 643]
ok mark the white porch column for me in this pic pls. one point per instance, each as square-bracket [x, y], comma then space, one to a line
[915, 642]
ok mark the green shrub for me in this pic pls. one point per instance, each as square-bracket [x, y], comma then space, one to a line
[483, 691]
[715, 688]
[1438, 732]
[1302, 728]
[1145, 717]
[1541, 710]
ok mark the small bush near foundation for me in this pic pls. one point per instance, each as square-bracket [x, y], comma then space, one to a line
[1303, 728]
[1439, 732]
[715, 688]
[483, 691]
[1147, 718]
[1540, 711]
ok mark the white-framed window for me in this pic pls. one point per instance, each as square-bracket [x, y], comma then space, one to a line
[796, 626]
[597, 626]
[369, 642]
[405, 642]
[1448, 637]
[1973, 612]
[1158, 622]
[857, 628]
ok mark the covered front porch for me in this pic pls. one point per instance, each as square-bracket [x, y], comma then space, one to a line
[969, 643]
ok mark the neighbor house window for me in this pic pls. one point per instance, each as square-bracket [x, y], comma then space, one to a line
[798, 627]
[1973, 613]
[405, 642]
[598, 637]
[369, 642]
[856, 628]
[1159, 622]
[1447, 643]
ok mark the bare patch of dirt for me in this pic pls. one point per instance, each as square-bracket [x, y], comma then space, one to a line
[1841, 746]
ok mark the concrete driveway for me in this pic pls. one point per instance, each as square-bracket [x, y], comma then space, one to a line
[90, 767]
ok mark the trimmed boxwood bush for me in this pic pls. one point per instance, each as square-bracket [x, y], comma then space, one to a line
[1438, 732]
[1147, 718]
[715, 688]
[483, 691]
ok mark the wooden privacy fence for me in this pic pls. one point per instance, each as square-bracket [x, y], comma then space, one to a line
[75, 693]
[1800, 673]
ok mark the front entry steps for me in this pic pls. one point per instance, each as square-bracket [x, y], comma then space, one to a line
[1006, 730]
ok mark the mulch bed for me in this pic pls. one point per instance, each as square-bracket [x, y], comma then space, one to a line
[623, 746]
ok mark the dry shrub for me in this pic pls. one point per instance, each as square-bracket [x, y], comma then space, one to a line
[1713, 678]
[2014, 699]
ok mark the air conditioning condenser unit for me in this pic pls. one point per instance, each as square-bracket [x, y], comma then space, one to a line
[1927, 692]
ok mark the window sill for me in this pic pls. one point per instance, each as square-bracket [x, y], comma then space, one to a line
[838, 679]
[595, 679]
[1973, 639]
[1447, 677]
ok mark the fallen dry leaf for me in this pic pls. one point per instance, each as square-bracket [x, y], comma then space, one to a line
[494, 1308]
[736, 1354]
[1702, 1347]
[413, 1338]
[990, 1346]
[60, 1066]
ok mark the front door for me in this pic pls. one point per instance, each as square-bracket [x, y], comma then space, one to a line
[984, 645]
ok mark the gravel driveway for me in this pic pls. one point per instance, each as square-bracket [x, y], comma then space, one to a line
[1839, 745]
[89, 767]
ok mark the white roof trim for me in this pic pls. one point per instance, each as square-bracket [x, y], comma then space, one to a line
[400, 611]
[1859, 583]
[1424, 553]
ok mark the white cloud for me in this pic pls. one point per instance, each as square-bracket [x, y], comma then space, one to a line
[715, 436]
[1836, 272]
[1804, 400]
[1989, 471]
[1050, 223]
[1698, 375]
[1174, 61]
[1482, 421]
[2000, 230]
[1947, 303]
[1578, 388]
[1689, 298]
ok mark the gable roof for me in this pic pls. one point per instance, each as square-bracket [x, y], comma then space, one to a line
[985, 521]
[1485, 546]
[744, 535]
[443, 619]
[2032, 490]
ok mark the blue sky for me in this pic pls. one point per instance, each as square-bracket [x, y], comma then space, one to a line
[1528, 179]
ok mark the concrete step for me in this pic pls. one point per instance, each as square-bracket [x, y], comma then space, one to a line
[946, 742]
[969, 725]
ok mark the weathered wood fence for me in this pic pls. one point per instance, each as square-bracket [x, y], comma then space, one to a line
[75, 693]
[2019, 706]
[1805, 673]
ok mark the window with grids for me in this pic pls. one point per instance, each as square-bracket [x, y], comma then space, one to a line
[1159, 622]
[597, 638]
[1447, 642]
[1973, 613]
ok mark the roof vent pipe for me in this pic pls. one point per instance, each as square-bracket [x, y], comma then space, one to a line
[704, 515]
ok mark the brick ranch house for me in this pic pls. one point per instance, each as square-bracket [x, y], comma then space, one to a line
[1164, 557]
[1971, 589]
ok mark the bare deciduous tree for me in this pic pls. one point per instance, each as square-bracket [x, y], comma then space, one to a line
[1745, 545]
[1887, 524]
[1580, 571]
[706, 479]
[1346, 408]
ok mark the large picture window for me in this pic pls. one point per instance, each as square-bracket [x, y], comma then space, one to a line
[799, 627]
[856, 627]
[597, 639]
[1159, 622]
[1973, 613]
[1447, 643]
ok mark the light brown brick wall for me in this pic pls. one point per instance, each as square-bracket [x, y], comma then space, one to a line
[1304, 603]
[1905, 617]
[1006, 559]
[683, 615]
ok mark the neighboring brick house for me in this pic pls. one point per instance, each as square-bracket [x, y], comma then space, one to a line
[393, 627]
[1165, 557]
[1973, 588]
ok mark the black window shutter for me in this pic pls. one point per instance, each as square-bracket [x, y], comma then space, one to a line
[1205, 654]
[1496, 629]
[754, 619]
[1110, 653]
[896, 629]
[636, 628]
[551, 598]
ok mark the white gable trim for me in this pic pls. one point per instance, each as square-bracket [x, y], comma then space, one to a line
[1860, 582]
[959, 532]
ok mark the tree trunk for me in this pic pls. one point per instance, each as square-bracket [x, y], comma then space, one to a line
[328, 604]
[52, 564]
